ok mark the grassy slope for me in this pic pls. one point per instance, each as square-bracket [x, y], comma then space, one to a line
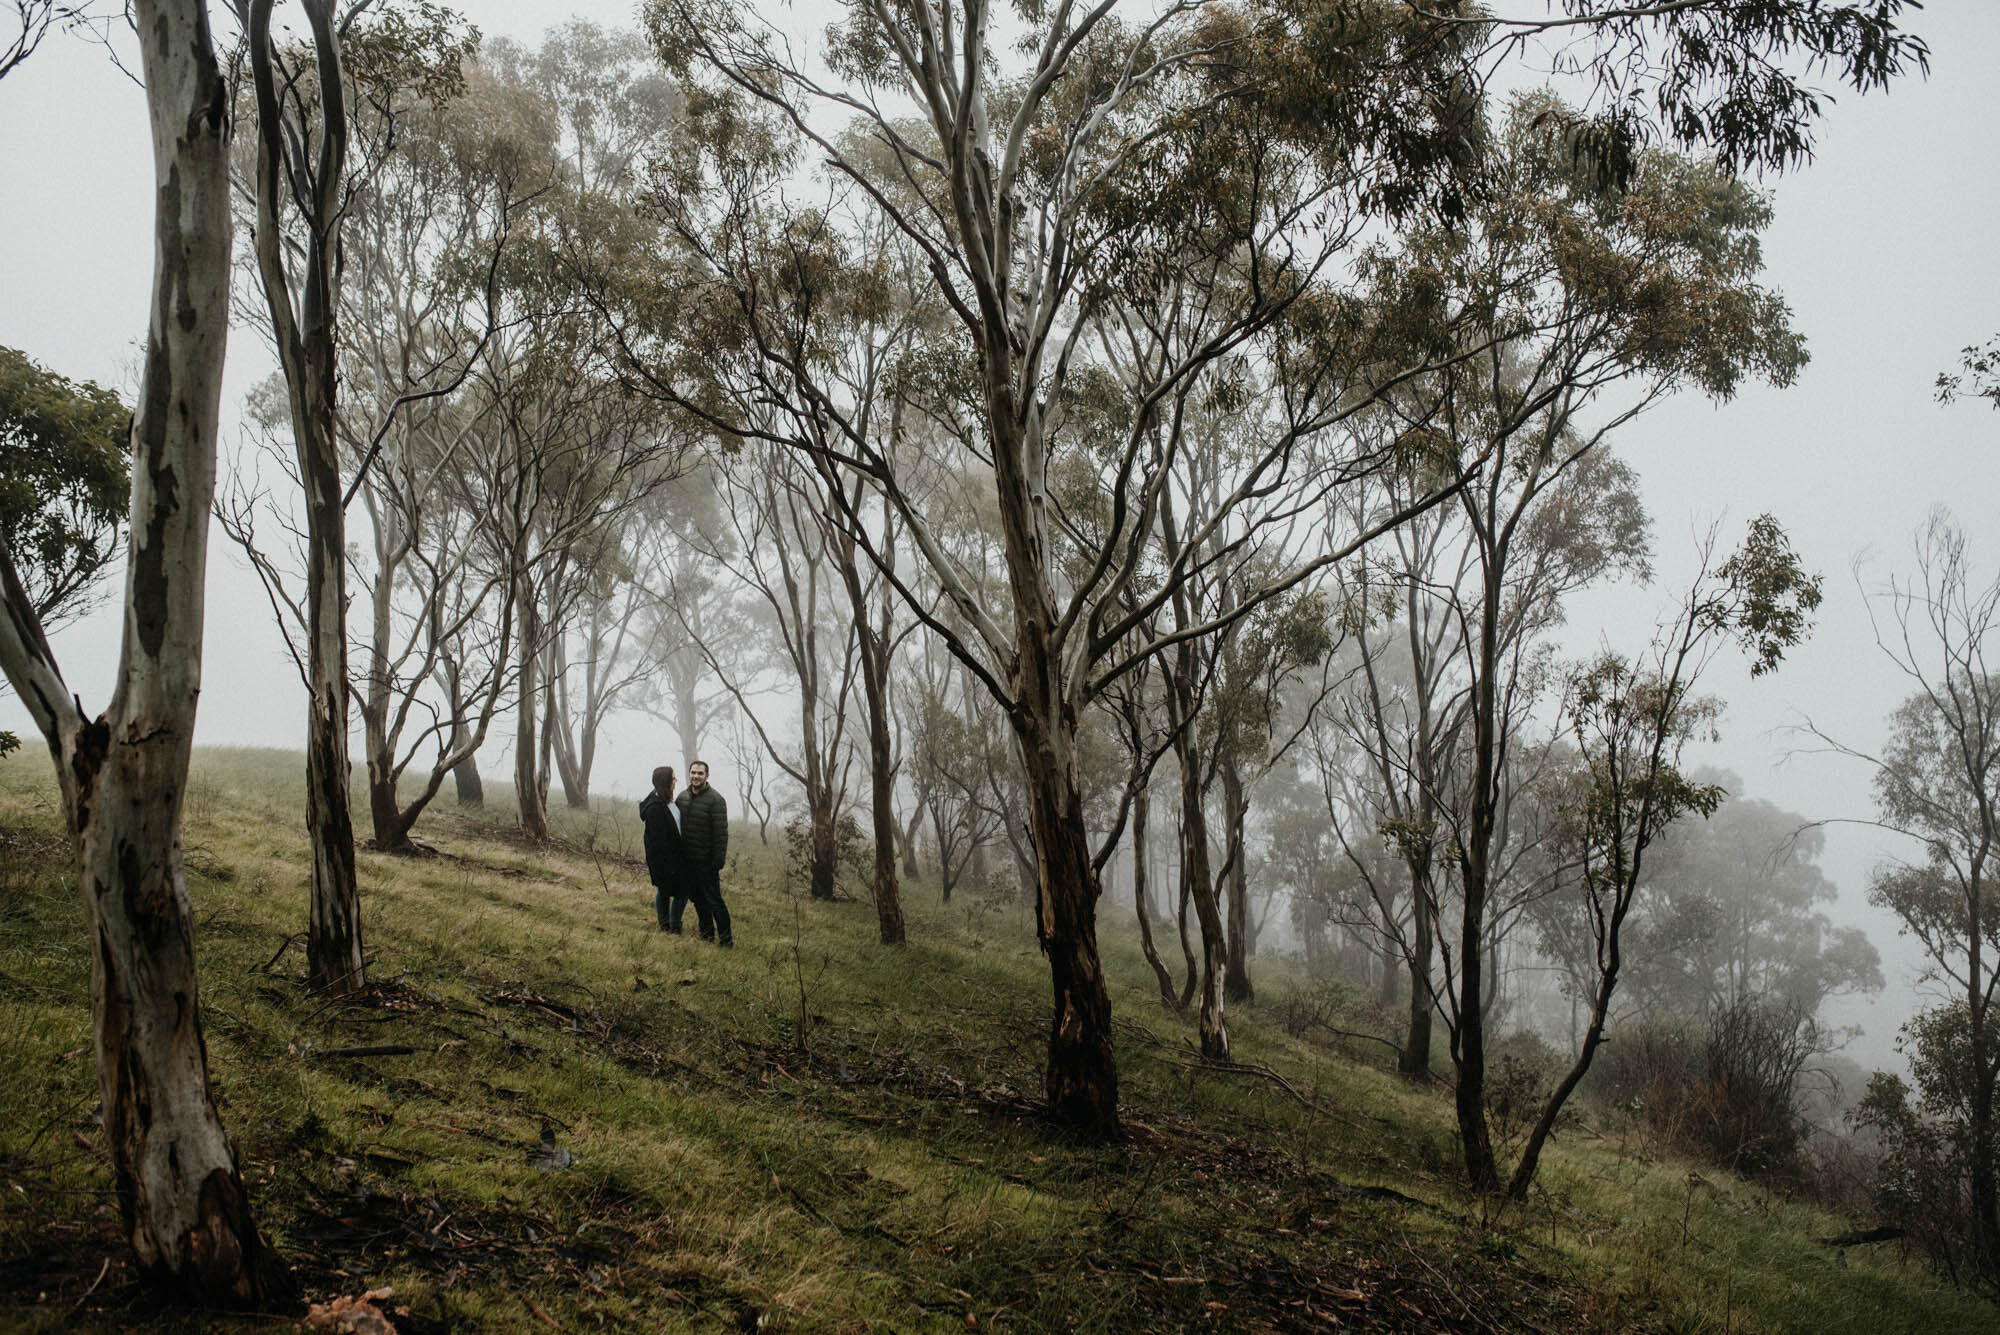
[808, 1133]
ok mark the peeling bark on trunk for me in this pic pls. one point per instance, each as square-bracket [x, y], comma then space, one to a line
[306, 351]
[124, 775]
[1082, 1073]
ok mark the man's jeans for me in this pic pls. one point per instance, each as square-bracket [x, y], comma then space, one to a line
[705, 884]
[670, 906]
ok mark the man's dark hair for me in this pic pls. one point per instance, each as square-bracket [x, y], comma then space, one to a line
[702, 763]
[663, 778]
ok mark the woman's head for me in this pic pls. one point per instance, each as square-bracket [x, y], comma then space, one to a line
[663, 780]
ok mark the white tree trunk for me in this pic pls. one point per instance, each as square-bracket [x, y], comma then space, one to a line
[124, 774]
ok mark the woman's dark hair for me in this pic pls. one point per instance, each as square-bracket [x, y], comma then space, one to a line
[663, 778]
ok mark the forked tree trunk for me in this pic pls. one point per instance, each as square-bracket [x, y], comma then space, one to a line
[124, 775]
[873, 644]
[882, 792]
[1197, 872]
[571, 767]
[1201, 889]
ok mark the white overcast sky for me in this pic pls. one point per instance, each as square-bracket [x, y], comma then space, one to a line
[1885, 248]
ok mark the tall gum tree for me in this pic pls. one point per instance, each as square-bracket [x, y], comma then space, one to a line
[302, 159]
[1015, 189]
[123, 774]
[1937, 781]
[1016, 180]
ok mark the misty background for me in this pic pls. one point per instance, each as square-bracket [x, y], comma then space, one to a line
[1883, 248]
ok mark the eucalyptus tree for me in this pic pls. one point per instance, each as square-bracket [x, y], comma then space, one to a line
[1937, 781]
[1628, 721]
[784, 559]
[64, 483]
[314, 148]
[1734, 912]
[123, 775]
[1587, 301]
[953, 740]
[424, 243]
[1026, 193]
[1268, 131]
[565, 457]
[609, 664]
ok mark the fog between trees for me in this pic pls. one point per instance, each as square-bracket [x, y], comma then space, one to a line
[1152, 456]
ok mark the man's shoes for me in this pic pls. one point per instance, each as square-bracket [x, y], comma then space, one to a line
[726, 942]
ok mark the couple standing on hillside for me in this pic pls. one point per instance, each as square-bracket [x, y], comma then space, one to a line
[687, 841]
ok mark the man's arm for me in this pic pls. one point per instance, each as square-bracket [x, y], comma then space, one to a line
[721, 830]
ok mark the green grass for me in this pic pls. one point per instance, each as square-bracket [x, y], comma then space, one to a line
[810, 1132]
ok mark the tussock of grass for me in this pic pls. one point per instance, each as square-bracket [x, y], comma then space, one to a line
[809, 1132]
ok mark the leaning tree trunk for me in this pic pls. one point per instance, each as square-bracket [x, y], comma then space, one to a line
[469, 788]
[124, 775]
[575, 775]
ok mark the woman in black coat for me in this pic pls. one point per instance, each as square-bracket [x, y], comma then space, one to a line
[666, 859]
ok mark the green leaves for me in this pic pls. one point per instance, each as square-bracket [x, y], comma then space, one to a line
[1768, 599]
[1978, 375]
[64, 484]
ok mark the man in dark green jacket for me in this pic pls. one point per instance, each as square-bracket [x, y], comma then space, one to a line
[705, 842]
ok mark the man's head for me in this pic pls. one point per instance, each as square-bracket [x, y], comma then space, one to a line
[663, 781]
[697, 775]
